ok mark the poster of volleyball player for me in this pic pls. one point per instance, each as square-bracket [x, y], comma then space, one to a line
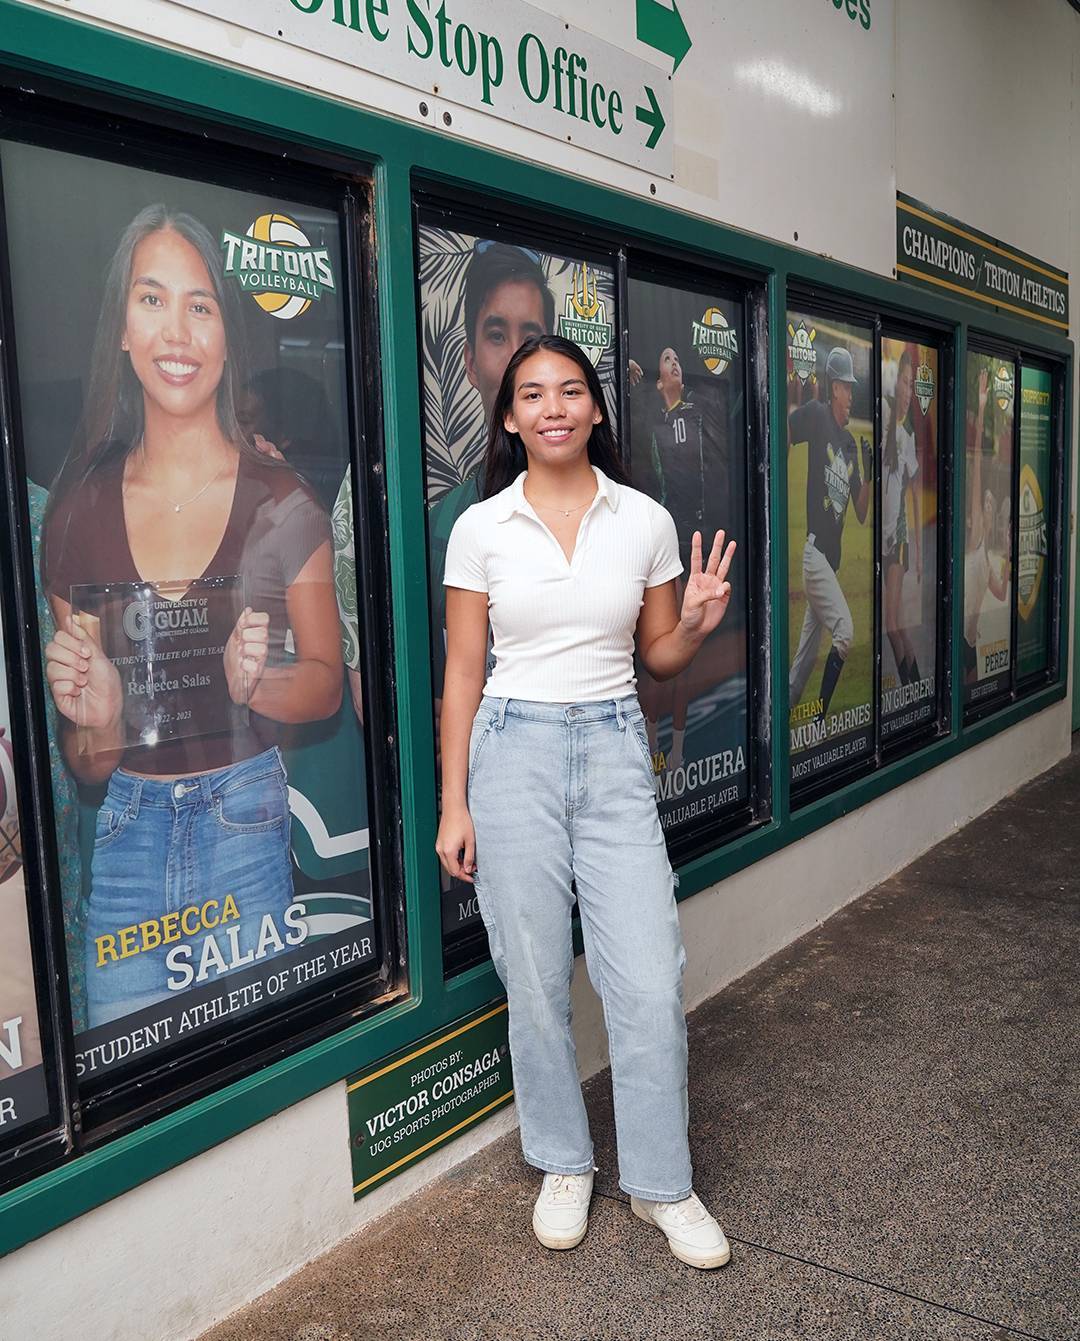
[23, 1095]
[207, 761]
[831, 463]
[987, 643]
[479, 299]
[687, 430]
[909, 529]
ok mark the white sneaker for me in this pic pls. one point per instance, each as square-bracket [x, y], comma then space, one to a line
[561, 1215]
[692, 1234]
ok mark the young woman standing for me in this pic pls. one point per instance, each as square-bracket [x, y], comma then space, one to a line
[548, 780]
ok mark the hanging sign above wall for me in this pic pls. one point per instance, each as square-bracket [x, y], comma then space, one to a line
[503, 57]
[935, 250]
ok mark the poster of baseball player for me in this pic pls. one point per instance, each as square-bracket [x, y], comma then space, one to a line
[687, 436]
[909, 530]
[479, 299]
[987, 643]
[23, 1095]
[831, 462]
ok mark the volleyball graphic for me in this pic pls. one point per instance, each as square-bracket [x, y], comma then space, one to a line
[10, 840]
[715, 341]
[280, 231]
[1004, 385]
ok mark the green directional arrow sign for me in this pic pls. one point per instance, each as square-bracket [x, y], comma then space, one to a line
[663, 29]
[651, 116]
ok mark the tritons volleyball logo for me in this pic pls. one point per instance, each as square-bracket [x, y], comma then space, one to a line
[924, 386]
[585, 318]
[1033, 547]
[802, 356]
[275, 262]
[715, 341]
[1004, 385]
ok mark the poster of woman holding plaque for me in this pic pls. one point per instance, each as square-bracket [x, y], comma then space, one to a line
[908, 534]
[987, 645]
[190, 576]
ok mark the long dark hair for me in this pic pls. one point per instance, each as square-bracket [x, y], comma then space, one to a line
[505, 457]
[113, 415]
[891, 453]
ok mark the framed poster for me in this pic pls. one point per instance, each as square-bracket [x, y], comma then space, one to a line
[480, 297]
[187, 452]
[909, 476]
[831, 463]
[688, 444]
[988, 641]
[24, 1094]
[1033, 568]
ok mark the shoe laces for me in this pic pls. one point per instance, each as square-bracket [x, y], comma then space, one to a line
[564, 1189]
[689, 1211]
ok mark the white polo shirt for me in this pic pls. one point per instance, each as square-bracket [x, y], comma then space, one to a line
[563, 631]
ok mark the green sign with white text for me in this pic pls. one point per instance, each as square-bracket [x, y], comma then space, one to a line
[941, 253]
[412, 1103]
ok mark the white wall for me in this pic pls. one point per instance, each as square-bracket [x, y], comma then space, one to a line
[986, 117]
[1000, 152]
[1009, 161]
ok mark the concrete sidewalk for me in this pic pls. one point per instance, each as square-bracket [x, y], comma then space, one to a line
[883, 1117]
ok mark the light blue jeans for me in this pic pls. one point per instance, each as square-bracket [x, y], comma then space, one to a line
[562, 792]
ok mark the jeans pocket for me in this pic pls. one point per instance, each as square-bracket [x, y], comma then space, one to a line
[481, 729]
[641, 735]
[253, 807]
[108, 825]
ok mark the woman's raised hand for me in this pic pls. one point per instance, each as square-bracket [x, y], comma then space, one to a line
[456, 844]
[705, 600]
[245, 653]
[84, 683]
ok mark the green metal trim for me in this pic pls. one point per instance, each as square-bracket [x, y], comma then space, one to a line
[959, 493]
[1068, 587]
[778, 560]
[36, 40]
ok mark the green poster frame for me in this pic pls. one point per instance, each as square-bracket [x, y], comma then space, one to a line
[43, 45]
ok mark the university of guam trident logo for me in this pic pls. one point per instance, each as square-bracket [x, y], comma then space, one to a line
[585, 319]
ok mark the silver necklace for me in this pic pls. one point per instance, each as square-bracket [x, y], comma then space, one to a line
[179, 507]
